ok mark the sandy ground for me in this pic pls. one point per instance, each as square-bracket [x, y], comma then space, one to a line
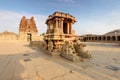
[19, 61]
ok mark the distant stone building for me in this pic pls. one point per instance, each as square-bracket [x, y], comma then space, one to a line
[27, 29]
[113, 36]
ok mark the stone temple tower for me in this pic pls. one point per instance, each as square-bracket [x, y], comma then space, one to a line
[27, 29]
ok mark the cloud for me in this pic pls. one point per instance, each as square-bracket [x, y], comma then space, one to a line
[10, 21]
[98, 24]
[94, 24]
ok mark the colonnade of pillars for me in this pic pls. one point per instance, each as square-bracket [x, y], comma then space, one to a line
[61, 24]
[102, 38]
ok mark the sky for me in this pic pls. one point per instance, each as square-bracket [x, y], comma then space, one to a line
[93, 16]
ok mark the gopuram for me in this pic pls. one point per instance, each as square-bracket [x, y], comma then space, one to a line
[27, 29]
[60, 38]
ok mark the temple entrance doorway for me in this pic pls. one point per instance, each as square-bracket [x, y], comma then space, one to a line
[29, 37]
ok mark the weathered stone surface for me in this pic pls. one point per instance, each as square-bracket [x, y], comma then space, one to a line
[28, 29]
[79, 48]
[59, 30]
[68, 52]
[60, 37]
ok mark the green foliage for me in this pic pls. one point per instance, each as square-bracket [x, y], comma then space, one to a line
[43, 34]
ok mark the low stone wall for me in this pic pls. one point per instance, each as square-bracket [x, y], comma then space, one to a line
[37, 42]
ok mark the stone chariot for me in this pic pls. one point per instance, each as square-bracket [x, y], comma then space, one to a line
[60, 37]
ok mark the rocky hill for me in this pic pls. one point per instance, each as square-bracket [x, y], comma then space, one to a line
[115, 32]
[8, 33]
[8, 36]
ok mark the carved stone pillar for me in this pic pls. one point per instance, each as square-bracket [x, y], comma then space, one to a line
[56, 23]
[68, 28]
[62, 26]
[59, 24]
[51, 25]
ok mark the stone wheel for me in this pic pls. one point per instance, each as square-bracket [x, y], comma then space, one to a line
[45, 45]
[50, 45]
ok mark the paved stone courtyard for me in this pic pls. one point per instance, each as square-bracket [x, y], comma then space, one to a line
[19, 61]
